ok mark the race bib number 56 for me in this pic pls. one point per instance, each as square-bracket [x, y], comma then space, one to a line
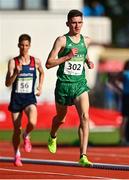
[24, 85]
[73, 68]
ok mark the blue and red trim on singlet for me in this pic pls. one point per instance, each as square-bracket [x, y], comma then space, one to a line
[19, 101]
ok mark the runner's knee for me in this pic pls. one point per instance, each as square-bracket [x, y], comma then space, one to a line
[85, 117]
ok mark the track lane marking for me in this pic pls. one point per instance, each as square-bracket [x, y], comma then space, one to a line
[53, 173]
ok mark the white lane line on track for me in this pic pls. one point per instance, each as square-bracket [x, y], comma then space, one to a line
[54, 173]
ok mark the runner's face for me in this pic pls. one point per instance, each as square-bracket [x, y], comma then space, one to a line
[75, 25]
[24, 47]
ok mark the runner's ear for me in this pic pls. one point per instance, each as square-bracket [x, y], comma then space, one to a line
[67, 24]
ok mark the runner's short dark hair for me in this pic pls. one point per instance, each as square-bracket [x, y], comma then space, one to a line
[74, 13]
[23, 37]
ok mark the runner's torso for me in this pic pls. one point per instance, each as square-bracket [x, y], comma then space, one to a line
[73, 70]
[25, 81]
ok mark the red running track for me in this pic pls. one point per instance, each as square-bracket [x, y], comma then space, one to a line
[114, 155]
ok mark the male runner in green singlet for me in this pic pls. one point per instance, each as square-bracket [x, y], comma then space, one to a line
[71, 86]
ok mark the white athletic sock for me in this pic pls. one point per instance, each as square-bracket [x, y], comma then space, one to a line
[18, 152]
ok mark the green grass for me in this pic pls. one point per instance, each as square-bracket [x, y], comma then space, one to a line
[69, 137]
[105, 138]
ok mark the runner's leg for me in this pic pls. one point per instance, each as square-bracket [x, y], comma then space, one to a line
[59, 119]
[82, 106]
[16, 118]
[31, 112]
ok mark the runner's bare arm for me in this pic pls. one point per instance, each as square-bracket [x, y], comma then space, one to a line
[12, 72]
[59, 45]
[41, 77]
[89, 63]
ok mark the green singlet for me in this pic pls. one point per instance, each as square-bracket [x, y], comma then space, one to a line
[71, 81]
